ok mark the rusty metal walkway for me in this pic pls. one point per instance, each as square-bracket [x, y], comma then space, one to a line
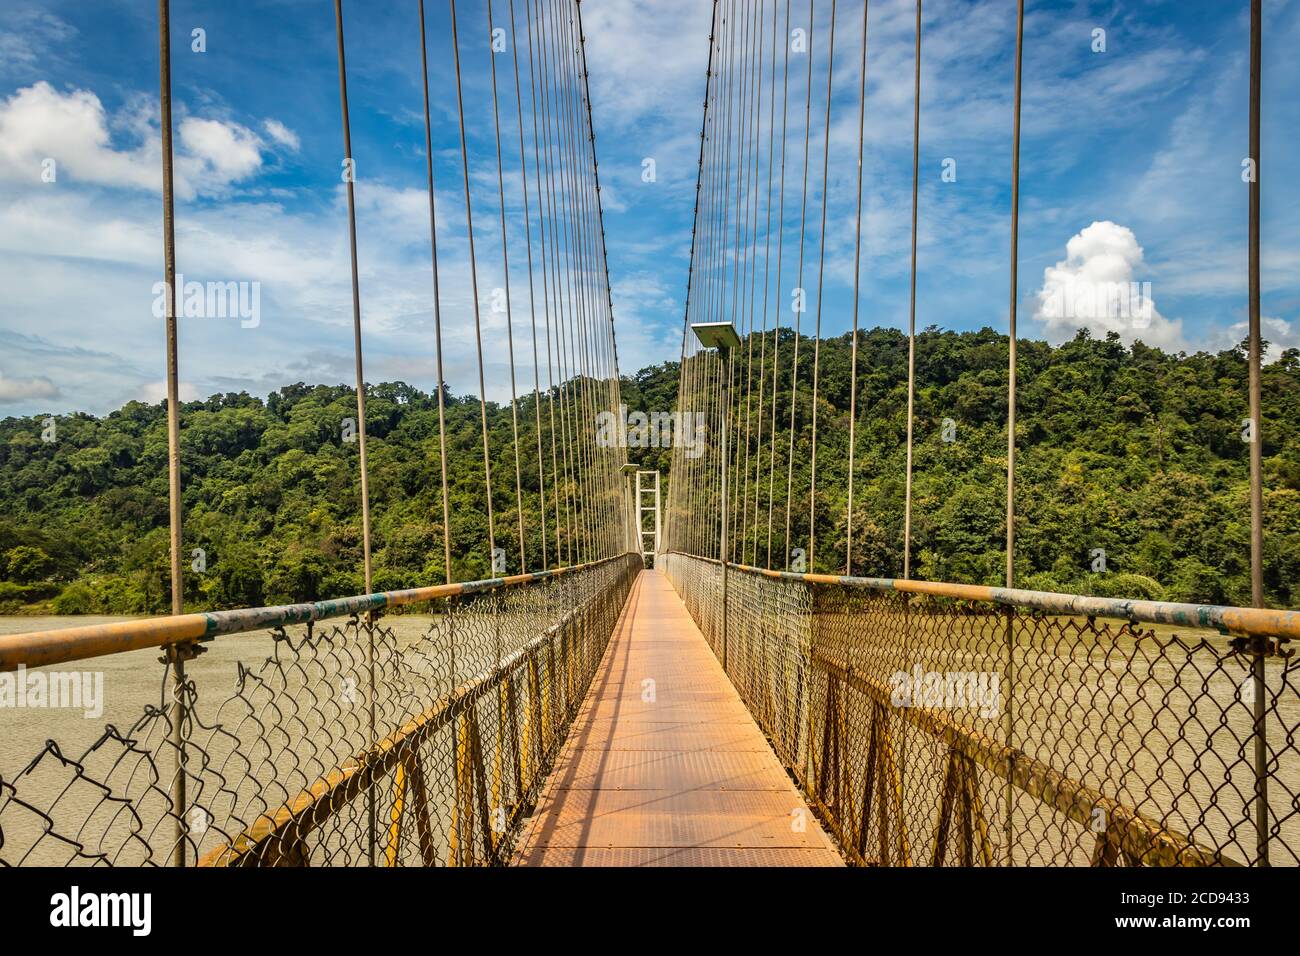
[664, 765]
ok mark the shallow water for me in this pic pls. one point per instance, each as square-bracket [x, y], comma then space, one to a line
[134, 682]
[1167, 735]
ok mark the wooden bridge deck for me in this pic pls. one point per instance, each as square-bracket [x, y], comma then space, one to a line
[674, 773]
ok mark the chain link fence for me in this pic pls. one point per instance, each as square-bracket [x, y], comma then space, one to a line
[927, 729]
[347, 745]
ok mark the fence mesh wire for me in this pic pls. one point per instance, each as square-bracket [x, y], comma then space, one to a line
[928, 731]
[346, 746]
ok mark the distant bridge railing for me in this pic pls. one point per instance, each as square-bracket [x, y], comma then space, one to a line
[383, 740]
[942, 724]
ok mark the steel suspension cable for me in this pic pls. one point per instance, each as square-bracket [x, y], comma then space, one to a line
[730, 275]
[739, 269]
[580, 316]
[569, 344]
[599, 324]
[767, 268]
[741, 167]
[727, 301]
[564, 308]
[1255, 398]
[751, 214]
[1253, 292]
[780, 289]
[473, 271]
[821, 274]
[857, 272]
[1011, 339]
[911, 322]
[744, 151]
[710, 517]
[1009, 710]
[612, 355]
[803, 223]
[505, 269]
[546, 291]
[714, 308]
[699, 302]
[712, 391]
[361, 391]
[569, 379]
[600, 393]
[174, 501]
[592, 383]
[356, 294]
[680, 463]
[560, 388]
[437, 304]
[532, 300]
[700, 485]
[911, 357]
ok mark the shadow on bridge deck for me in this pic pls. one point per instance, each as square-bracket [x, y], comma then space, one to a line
[664, 765]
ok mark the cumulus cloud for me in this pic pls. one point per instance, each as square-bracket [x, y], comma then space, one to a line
[13, 390]
[1279, 334]
[215, 153]
[40, 123]
[281, 134]
[1099, 286]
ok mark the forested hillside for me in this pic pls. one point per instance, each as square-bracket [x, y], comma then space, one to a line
[1124, 450]
[1128, 450]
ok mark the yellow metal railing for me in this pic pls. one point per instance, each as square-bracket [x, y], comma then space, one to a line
[939, 724]
[357, 739]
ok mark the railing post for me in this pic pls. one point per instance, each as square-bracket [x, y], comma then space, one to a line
[1259, 650]
[803, 687]
[1007, 699]
[174, 657]
[722, 541]
[724, 615]
[372, 813]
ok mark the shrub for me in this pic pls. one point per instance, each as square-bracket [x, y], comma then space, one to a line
[76, 598]
[1125, 585]
[25, 563]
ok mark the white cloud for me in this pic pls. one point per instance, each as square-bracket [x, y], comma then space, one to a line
[155, 392]
[215, 154]
[85, 378]
[80, 265]
[39, 123]
[646, 59]
[26, 389]
[648, 320]
[281, 134]
[1099, 286]
[30, 35]
[1278, 333]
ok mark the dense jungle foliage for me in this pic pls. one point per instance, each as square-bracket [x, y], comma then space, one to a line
[1125, 450]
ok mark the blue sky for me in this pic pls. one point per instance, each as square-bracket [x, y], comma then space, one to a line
[1145, 138]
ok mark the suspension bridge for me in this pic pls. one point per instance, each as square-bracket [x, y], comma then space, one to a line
[704, 677]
